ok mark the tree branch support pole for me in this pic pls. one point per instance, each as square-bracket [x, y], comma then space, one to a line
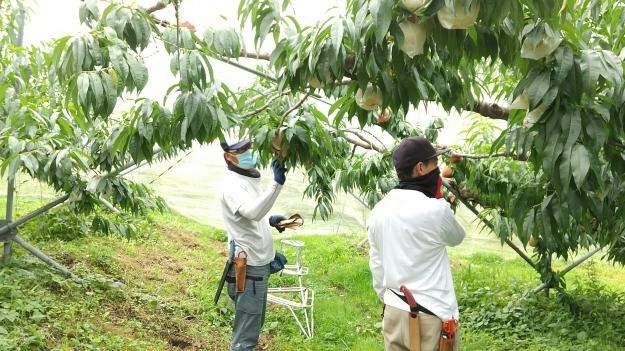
[575, 263]
[549, 258]
[11, 226]
[490, 225]
[112, 208]
[6, 254]
[40, 255]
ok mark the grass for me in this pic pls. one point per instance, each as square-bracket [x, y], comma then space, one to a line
[169, 278]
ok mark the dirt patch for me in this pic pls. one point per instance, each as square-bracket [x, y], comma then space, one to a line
[117, 330]
[180, 343]
[66, 259]
[265, 342]
[185, 238]
[155, 265]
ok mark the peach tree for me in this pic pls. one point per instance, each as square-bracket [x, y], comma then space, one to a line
[334, 98]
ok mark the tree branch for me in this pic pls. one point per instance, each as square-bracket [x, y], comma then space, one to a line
[266, 106]
[295, 107]
[260, 95]
[500, 154]
[257, 56]
[490, 110]
[156, 7]
[617, 145]
[371, 145]
[358, 142]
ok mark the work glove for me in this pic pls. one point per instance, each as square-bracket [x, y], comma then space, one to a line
[274, 220]
[278, 263]
[279, 172]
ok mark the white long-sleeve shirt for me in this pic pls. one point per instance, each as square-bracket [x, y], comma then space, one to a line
[408, 235]
[245, 207]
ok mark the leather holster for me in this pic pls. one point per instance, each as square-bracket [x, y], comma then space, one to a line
[240, 266]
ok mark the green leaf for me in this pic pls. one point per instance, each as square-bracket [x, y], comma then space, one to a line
[575, 205]
[564, 57]
[14, 164]
[337, 36]
[381, 12]
[536, 91]
[574, 129]
[139, 73]
[191, 104]
[590, 65]
[565, 170]
[30, 162]
[98, 94]
[110, 93]
[83, 89]
[78, 50]
[15, 146]
[580, 163]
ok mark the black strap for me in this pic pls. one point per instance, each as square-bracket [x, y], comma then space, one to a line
[254, 279]
[230, 279]
[420, 307]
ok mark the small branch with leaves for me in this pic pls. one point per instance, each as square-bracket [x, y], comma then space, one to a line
[293, 108]
[266, 105]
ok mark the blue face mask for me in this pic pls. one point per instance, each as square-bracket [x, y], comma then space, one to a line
[247, 160]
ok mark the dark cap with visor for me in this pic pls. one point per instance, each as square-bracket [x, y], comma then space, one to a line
[239, 146]
[413, 150]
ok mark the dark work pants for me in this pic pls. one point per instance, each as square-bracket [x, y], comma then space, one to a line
[249, 308]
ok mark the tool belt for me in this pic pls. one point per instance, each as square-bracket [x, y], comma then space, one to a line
[419, 307]
[252, 278]
[449, 328]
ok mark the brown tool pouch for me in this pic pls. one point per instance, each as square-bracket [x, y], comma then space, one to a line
[449, 330]
[446, 343]
[414, 325]
[240, 266]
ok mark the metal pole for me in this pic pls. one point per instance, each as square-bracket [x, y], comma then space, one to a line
[11, 226]
[362, 202]
[48, 206]
[20, 32]
[133, 166]
[47, 259]
[575, 263]
[112, 208]
[6, 255]
[33, 214]
[490, 225]
[549, 256]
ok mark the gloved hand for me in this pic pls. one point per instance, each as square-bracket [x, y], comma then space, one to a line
[279, 172]
[273, 221]
[278, 263]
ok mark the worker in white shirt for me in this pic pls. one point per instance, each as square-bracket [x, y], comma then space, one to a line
[409, 230]
[245, 210]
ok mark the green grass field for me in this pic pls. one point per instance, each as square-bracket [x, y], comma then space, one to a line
[168, 277]
[169, 281]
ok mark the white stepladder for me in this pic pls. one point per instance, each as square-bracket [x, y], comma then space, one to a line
[302, 299]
